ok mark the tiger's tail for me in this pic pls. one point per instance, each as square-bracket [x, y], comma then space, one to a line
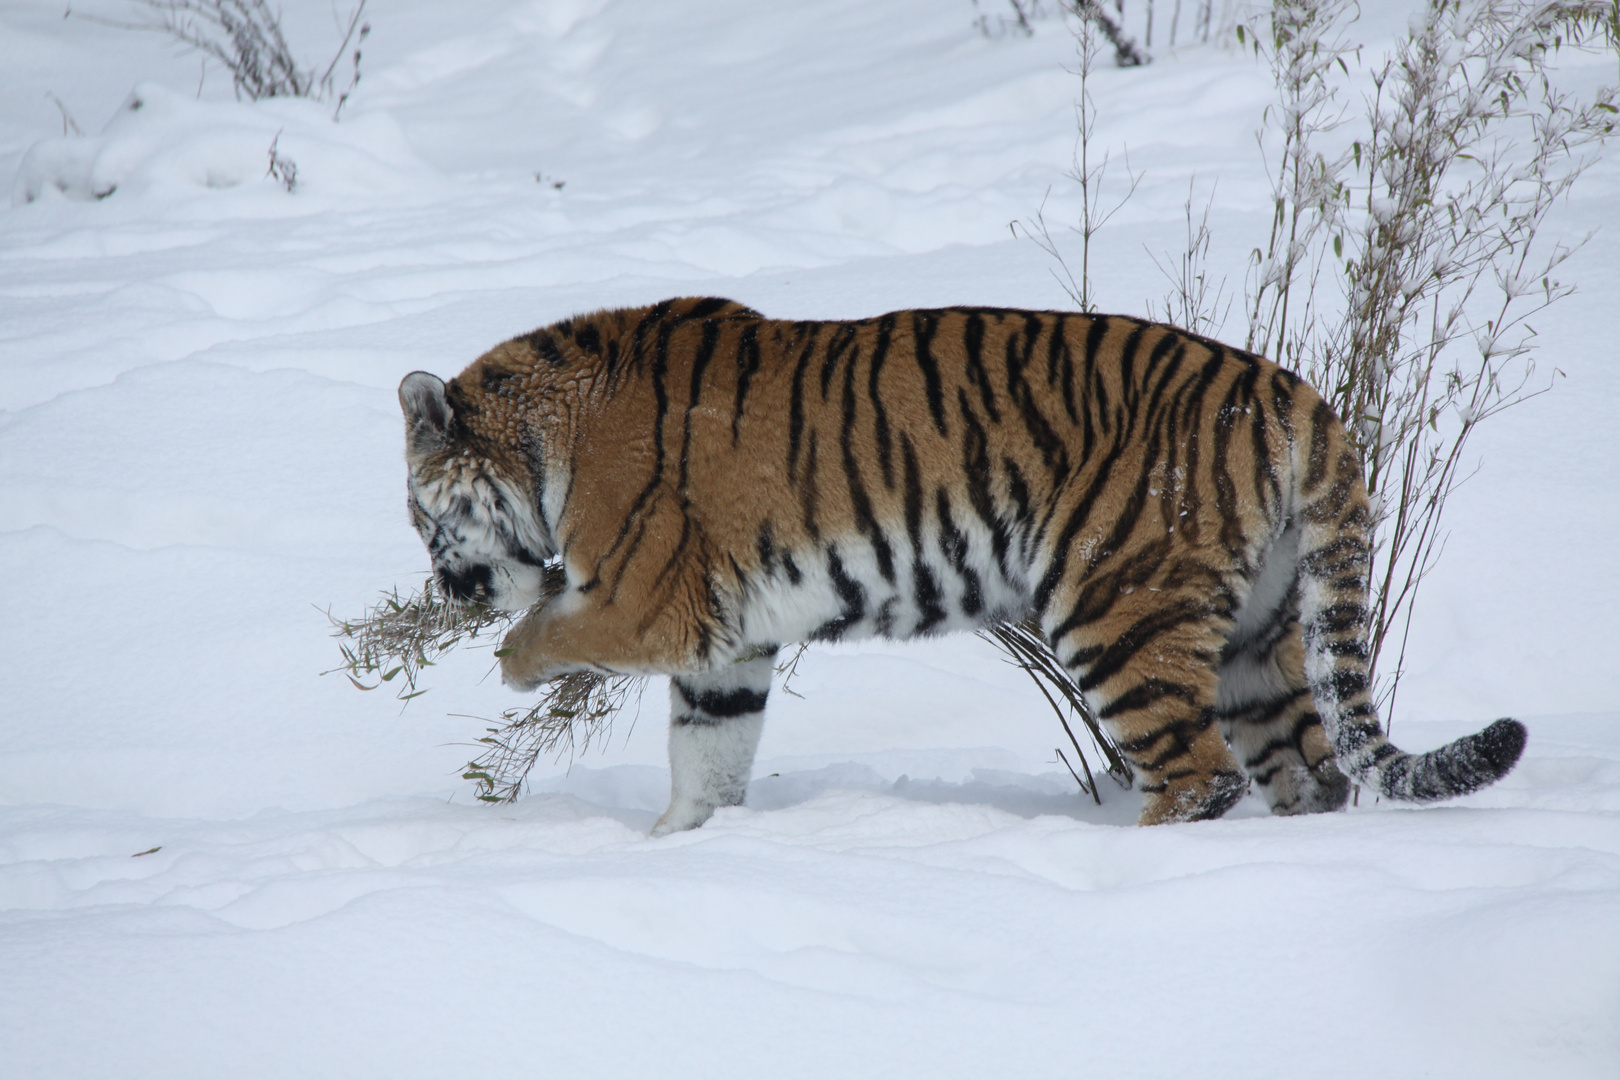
[1334, 563]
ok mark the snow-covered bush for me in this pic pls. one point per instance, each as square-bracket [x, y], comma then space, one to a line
[163, 144]
[1429, 224]
[1398, 272]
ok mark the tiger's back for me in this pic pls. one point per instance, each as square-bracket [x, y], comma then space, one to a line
[1186, 523]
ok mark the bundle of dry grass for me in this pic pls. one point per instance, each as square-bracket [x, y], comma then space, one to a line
[402, 634]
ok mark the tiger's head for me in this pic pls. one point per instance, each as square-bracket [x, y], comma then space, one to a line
[474, 508]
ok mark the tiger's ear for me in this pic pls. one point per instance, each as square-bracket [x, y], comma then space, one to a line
[427, 413]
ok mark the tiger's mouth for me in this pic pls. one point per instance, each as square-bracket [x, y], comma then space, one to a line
[469, 585]
[500, 587]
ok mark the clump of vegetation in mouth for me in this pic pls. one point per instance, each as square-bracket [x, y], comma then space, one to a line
[400, 635]
[404, 633]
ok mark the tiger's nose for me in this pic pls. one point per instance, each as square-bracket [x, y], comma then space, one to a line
[471, 583]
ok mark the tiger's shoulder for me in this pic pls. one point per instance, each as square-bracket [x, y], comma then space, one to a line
[495, 394]
[605, 334]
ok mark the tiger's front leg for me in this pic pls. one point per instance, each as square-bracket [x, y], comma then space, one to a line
[576, 632]
[647, 611]
[714, 724]
[534, 650]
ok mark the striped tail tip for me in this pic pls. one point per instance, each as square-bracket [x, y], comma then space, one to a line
[1470, 763]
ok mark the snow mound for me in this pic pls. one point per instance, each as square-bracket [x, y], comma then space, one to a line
[162, 144]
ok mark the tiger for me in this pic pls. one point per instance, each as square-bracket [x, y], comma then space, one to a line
[1185, 522]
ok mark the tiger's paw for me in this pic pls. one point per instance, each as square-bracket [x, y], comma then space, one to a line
[1303, 790]
[523, 683]
[524, 663]
[681, 816]
[1194, 798]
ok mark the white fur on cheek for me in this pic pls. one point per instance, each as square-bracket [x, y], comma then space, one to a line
[516, 586]
[477, 519]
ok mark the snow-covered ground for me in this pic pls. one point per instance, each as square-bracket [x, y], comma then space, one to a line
[200, 451]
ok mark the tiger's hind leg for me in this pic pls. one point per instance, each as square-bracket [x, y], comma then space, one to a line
[715, 720]
[1264, 704]
[1144, 652]
[1270, 721]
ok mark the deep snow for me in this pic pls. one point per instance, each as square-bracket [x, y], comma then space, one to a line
[200, 450]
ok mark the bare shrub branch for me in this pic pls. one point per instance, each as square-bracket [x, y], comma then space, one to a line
[1088, 176]
[1193, 303]
[1432, 219]
[245, 37]
[1021, 21]
[1026, 648]
[67, 118]
[1470, 144]
[1305, 43]
[283, 170]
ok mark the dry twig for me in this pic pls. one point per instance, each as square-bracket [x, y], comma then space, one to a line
[1027, 648]
[573, 710]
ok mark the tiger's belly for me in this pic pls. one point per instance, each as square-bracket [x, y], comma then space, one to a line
[839, 592]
